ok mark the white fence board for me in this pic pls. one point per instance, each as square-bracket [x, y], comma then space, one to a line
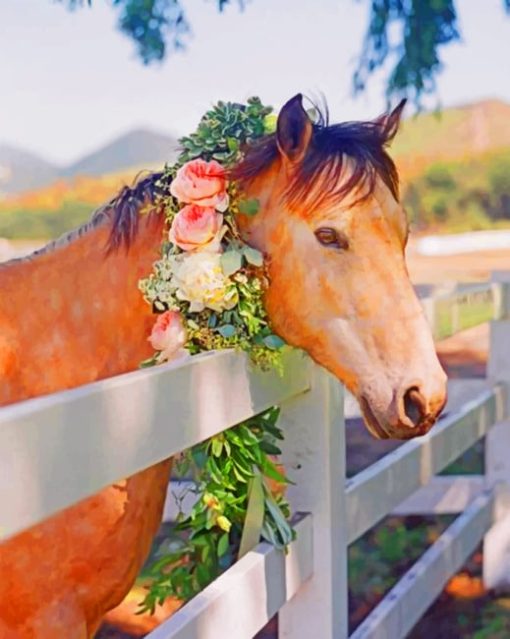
[240, 602]
[453, 312]
[403, 606]
[58, 449]
[496, 565]
[446, 495]
[314, 456]
[378, 490]
[458, 243]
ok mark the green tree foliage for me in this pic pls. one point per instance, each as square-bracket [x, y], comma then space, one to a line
[34, 224]
[499, 181]
[439, 176]
[407, 35]
[461, 195]
[422, 27]
[404, 35]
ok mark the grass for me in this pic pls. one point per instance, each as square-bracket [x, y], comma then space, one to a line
[29, 224]
[452, 318]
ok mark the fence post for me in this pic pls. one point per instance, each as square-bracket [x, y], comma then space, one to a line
[314, 456]
[496, 562]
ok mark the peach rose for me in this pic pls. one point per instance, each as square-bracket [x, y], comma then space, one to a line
[202, 183]
[168, 336]
[195, 227]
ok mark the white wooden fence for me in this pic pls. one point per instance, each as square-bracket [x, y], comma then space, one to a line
[58, 449]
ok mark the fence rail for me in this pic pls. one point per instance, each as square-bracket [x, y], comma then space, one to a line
[465, 308]
[396, 615]
[378, 490]
[246, 597]
[58, 449]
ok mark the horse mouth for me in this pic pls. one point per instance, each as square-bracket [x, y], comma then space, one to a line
[401, 431]
[371, 420]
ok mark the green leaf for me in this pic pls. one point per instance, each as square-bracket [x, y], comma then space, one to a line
[243, 468]
[270, 449]
[233, 144]
[223, 544]
[217, 446]
[249, 207]
[227, 330]
[273, 342]
[254, 519]
[270, 122]
[238, 475]
[283, 527]
[270, 470]
[147, 363]
[215, 472]
[199, 456]
[231, 262]
[253, 256]
[203, 576]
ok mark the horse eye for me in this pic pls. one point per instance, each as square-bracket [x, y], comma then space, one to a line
[331, 238]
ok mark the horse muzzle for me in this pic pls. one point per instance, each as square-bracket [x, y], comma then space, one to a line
[411, 413]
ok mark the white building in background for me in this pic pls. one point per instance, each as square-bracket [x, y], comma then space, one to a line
[464, 243]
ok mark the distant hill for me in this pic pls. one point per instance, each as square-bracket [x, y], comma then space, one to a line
[454, 168]
[21, 170]
[136, 148]
[454, 134]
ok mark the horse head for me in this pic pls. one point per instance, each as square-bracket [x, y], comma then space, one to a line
[334, 233]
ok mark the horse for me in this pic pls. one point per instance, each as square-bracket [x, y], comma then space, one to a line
[333, 234]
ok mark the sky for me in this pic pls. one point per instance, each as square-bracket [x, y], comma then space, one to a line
[70, 81]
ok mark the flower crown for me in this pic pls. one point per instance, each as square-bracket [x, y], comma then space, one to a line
[207, 290]
[208, 285]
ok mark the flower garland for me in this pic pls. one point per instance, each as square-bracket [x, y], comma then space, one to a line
[207, 289]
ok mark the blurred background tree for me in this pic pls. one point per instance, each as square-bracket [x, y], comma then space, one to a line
[404, 36]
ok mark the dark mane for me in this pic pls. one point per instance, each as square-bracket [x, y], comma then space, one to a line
[124, 209]
[362, 142]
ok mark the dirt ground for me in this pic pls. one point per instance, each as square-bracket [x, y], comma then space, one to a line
[454, 268]
[463, 356]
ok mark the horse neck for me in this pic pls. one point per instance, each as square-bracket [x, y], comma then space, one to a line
[74, 314]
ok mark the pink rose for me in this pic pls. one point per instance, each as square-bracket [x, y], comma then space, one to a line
[195, 227]
[168, 336]
[202, 183]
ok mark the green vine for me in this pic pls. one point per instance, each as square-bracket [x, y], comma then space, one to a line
[206, 541]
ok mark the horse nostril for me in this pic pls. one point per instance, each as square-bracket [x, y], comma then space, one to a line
[414, 405]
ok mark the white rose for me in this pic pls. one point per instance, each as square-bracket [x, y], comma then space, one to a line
[198, 278]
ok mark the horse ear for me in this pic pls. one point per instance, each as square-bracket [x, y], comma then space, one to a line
[293, 129]
[390, 122]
